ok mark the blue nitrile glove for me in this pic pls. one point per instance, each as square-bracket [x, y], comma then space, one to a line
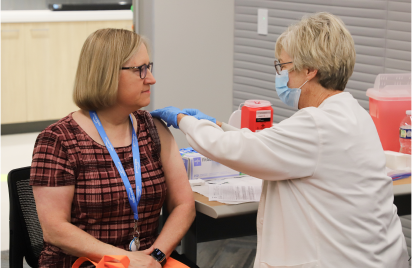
[199, 115]
[169, 115]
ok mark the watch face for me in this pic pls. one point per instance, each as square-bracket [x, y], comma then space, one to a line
[158, 254]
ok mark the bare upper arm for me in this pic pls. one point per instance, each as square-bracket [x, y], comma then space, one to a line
[53, 206]
[177, 182]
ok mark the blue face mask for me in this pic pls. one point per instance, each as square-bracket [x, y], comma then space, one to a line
[289, 96]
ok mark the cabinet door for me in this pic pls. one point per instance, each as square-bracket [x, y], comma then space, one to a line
[53, 56]
[13, 72]
[53, 53]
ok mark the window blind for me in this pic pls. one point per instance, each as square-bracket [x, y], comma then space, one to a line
[380, 29]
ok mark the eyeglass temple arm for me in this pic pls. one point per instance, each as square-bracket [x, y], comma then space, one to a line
[280, 64]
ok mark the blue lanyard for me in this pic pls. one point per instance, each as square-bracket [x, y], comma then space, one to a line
[136, 163]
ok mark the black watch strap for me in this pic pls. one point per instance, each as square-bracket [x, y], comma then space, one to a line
[163, 262]
[159, 256]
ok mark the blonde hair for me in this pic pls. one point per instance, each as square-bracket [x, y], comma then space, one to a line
[322, 42]
[102, 56]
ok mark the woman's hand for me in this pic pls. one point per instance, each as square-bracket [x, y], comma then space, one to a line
[148, 251]
[199, 115]
[168, 114]
[138, 259]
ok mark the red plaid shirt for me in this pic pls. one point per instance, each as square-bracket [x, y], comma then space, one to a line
[66, 155]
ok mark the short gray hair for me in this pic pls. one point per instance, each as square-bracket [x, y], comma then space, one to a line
[320, 41]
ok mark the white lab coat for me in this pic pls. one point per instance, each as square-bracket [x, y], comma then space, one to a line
[326, 199]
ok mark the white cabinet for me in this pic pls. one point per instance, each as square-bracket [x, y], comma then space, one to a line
[39, 62]
[13, 74]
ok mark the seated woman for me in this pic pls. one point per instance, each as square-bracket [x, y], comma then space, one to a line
[82, 167]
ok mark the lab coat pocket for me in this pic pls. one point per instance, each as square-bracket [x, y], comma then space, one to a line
[313, 264]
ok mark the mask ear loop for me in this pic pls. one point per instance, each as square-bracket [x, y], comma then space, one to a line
[301, 88]
[303, 84]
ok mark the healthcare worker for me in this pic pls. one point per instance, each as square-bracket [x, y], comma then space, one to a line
[326, 199]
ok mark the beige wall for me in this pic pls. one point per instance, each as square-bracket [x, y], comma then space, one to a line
[193, 57]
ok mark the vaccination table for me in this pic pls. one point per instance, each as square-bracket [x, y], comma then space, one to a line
[216, 221]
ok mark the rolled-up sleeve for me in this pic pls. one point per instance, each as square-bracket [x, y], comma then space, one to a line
[288, 150]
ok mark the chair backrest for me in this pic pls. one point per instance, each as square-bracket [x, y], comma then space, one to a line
[26, 236]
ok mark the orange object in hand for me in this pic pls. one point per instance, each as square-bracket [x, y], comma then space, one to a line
[120, 261]
[108, 261]
[172, 263]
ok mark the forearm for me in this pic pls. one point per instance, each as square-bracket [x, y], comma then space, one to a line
[175, 228]
[79, 243]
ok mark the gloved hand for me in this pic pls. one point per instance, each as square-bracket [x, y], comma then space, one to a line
[199, 115]
[169, 115]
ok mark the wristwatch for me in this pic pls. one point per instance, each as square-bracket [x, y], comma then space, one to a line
[159, 256]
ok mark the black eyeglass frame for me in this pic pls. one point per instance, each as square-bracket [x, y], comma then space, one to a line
[278, 66]
[141, 68]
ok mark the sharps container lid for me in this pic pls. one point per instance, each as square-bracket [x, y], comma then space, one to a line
[257, 103]
[391, 87]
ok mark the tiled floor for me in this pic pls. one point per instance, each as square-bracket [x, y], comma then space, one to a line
[16, 151]
[229, 253]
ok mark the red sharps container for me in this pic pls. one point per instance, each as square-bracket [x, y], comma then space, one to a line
[257, 115]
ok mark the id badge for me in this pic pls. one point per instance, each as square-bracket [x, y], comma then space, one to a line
[134, 244]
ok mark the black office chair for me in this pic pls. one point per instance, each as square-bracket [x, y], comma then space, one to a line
[26, 236]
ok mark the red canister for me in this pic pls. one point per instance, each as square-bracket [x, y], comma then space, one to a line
[257, 115]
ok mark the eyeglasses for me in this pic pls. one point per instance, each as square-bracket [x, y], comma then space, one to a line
[278, 66]
[142, 69]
